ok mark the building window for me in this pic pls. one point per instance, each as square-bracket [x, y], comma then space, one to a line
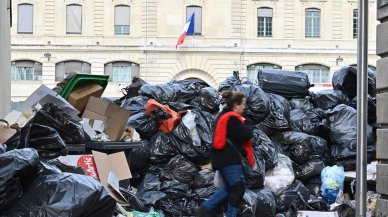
[25, 18]
[313, 23]
[122, 19]
[62, 69]
[355, 23]
[121, 71]
[318, 74]
[264, 22]
[197, 11]
[252, 70]
[74, 19]
[26, 70]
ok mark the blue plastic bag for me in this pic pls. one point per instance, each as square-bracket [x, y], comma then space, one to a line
[332, 182]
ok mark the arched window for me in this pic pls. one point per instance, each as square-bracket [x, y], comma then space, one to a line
[264, 22]
[197, 11]
[26, 70]
[318, 74]
[62, 69]
[253, 69]
[74, 19]
[25, 18]
[313, 23]
[122, 19]
[121, 71]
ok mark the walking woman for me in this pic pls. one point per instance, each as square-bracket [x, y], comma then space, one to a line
[231, 127]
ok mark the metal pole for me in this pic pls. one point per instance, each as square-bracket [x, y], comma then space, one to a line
[362, 109]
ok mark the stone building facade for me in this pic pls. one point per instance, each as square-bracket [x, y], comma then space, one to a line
[125, 38]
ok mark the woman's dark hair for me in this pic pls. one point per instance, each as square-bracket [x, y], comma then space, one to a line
[232, 98]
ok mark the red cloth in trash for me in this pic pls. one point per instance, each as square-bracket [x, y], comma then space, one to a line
[166, 126]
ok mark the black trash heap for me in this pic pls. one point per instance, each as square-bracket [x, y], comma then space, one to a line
[297, 133]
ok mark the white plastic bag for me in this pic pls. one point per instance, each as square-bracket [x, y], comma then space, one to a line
[218, 180]
[281, 177]
[189, 121]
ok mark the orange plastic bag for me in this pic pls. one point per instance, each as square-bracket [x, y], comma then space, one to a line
[167, 125]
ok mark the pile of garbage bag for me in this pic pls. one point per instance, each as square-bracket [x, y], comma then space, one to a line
[304, 142]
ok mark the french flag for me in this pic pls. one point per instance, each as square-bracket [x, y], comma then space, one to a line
[188, 30]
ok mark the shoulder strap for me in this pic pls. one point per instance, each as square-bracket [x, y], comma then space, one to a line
[234, 147]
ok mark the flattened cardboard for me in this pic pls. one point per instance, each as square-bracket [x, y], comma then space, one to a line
[113, 163]
[79, 97]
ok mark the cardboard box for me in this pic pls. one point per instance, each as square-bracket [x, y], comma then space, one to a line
[84, 161]
[79, 97]
[112, 169]
[114, 117]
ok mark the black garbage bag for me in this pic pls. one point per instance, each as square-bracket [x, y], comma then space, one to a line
[17, 169]
[184, 143]
[301, 103]
[279, 114]
[346, 209]
[256, 178]
[144, 125]
[138, 157]
[202, 194]
[149, 191]
[64, 195]
[208, 100]
[70, 130]
[266, 203]
[371, 108]
[177, 106]
[163, 93]
[176, 91]
[343, 131]
[316, 203]
[66, 168]
[179, 207]
[133, 89]
[257, 102]
[205, 125]
[204, 178]
[328, 99]
[44, 139]
[175, 189]
[181, 170]
[162, 148]
[3, 149]
[265, 149]
[300, 146]
[345, 79]
[314, 185]
[230, 82]
[248, 208]
[350, 163]
[133, 200]
[312, 122]
[296, 193]
[159, 115]
[288, 84]
[135, 104]
[192, 137]
[310, 169]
